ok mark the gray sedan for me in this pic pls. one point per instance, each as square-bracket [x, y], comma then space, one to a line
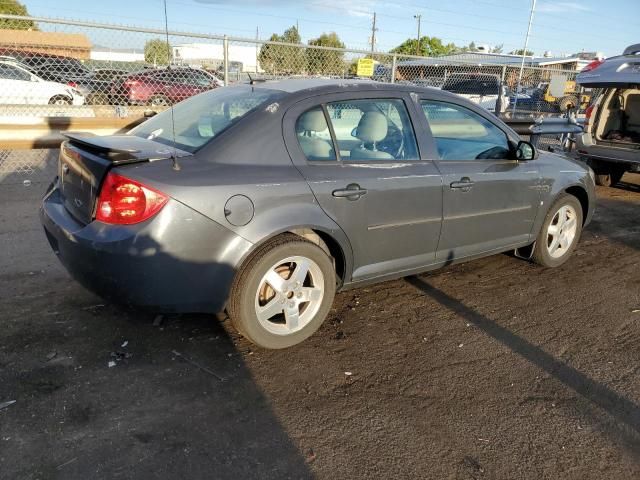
[266, 199]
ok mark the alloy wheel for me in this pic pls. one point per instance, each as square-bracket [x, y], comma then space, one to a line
[289, 295]
[562, 231]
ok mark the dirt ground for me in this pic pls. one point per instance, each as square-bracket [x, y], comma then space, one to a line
[495, 369]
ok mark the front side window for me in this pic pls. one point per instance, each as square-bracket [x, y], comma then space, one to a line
[313, 135]
[461, 134]
[202, 117]
[373, 130]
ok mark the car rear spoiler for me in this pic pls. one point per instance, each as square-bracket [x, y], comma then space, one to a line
[121, 149]
[632, 49]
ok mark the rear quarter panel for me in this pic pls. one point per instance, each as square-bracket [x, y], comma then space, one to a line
[250, 160]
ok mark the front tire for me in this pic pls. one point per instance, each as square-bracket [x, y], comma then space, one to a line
[560, 232]
[283, 293]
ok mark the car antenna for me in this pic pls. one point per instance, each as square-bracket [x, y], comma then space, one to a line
[174, 156]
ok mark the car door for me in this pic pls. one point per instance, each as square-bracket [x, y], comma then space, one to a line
[360, 158]
[490, 199]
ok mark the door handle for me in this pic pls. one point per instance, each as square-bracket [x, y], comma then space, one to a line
[351, 192]
[465, 184]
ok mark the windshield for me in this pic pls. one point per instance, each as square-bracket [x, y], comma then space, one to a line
[472, 86]
[199, 119]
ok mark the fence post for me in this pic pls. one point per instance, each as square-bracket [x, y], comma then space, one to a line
[504, 74]
[394, 64]
[225, 53]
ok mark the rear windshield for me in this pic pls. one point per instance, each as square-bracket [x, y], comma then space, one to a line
[199, 119]
[472, 86]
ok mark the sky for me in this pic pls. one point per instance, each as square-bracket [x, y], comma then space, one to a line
[561, 27]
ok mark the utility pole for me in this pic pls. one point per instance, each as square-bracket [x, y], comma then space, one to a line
[373, 33]
[419, 18]
[524, 54]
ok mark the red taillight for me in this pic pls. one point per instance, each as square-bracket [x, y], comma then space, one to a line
[592, 66]
[123, 201]
[587, 115]
[72, 84]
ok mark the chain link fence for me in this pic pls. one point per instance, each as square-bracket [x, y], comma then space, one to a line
[63, 68]
[70, 68]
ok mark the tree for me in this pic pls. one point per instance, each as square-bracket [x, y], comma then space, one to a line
[497, 49]
[528, 53]
[325, 61]
[429, 47]
[157, 51]
[13, 7]
[283, 59]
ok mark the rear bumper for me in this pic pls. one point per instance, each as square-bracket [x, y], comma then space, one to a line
[179, 261]
[587, 148]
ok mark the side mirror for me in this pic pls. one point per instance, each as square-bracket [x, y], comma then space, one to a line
[525, 151]
[34, 78]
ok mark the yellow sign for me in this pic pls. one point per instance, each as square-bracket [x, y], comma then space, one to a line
[365, 67]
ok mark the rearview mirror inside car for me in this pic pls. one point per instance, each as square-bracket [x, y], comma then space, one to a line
[525, 151]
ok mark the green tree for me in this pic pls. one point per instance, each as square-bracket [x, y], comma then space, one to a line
[157, 51]
[528, 53]
[497, 48]
[325, 62]
[13, 7]
[429, 47]
[283, 59]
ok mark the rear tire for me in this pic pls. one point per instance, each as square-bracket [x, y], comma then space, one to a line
[560, 232]
[60, 100]
[612, 176]
[283, 293]
[568, 102]
[159, 101]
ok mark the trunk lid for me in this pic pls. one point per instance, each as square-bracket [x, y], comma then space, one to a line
[85, 160]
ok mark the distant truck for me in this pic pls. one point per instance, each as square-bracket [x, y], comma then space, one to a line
[482, 89]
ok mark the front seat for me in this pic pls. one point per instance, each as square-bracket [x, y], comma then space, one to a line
[632, 112]
[371, 129]
[314, 148]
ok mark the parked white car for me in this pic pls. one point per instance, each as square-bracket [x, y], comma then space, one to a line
[18, 86]
[484, 90]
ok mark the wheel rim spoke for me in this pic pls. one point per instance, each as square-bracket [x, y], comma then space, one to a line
[292, 316]
[310, 294]
[301, 271]
[274, 279]
[270, 310]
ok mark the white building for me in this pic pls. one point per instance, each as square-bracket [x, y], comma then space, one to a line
[212, 54]
[116, 54]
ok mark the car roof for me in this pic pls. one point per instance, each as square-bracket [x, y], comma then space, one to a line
[326, 85]
[619, 71]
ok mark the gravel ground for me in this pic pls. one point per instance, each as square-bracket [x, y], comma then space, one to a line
[495, 369]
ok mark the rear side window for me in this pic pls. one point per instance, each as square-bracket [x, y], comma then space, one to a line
[202, 117]
[373, 130]
[11, 73]
[461, 134]
[314, 136]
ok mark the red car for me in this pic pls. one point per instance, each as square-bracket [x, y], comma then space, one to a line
[161, 87]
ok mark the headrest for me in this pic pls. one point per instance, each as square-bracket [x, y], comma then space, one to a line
[372, 127]
[312, 121]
